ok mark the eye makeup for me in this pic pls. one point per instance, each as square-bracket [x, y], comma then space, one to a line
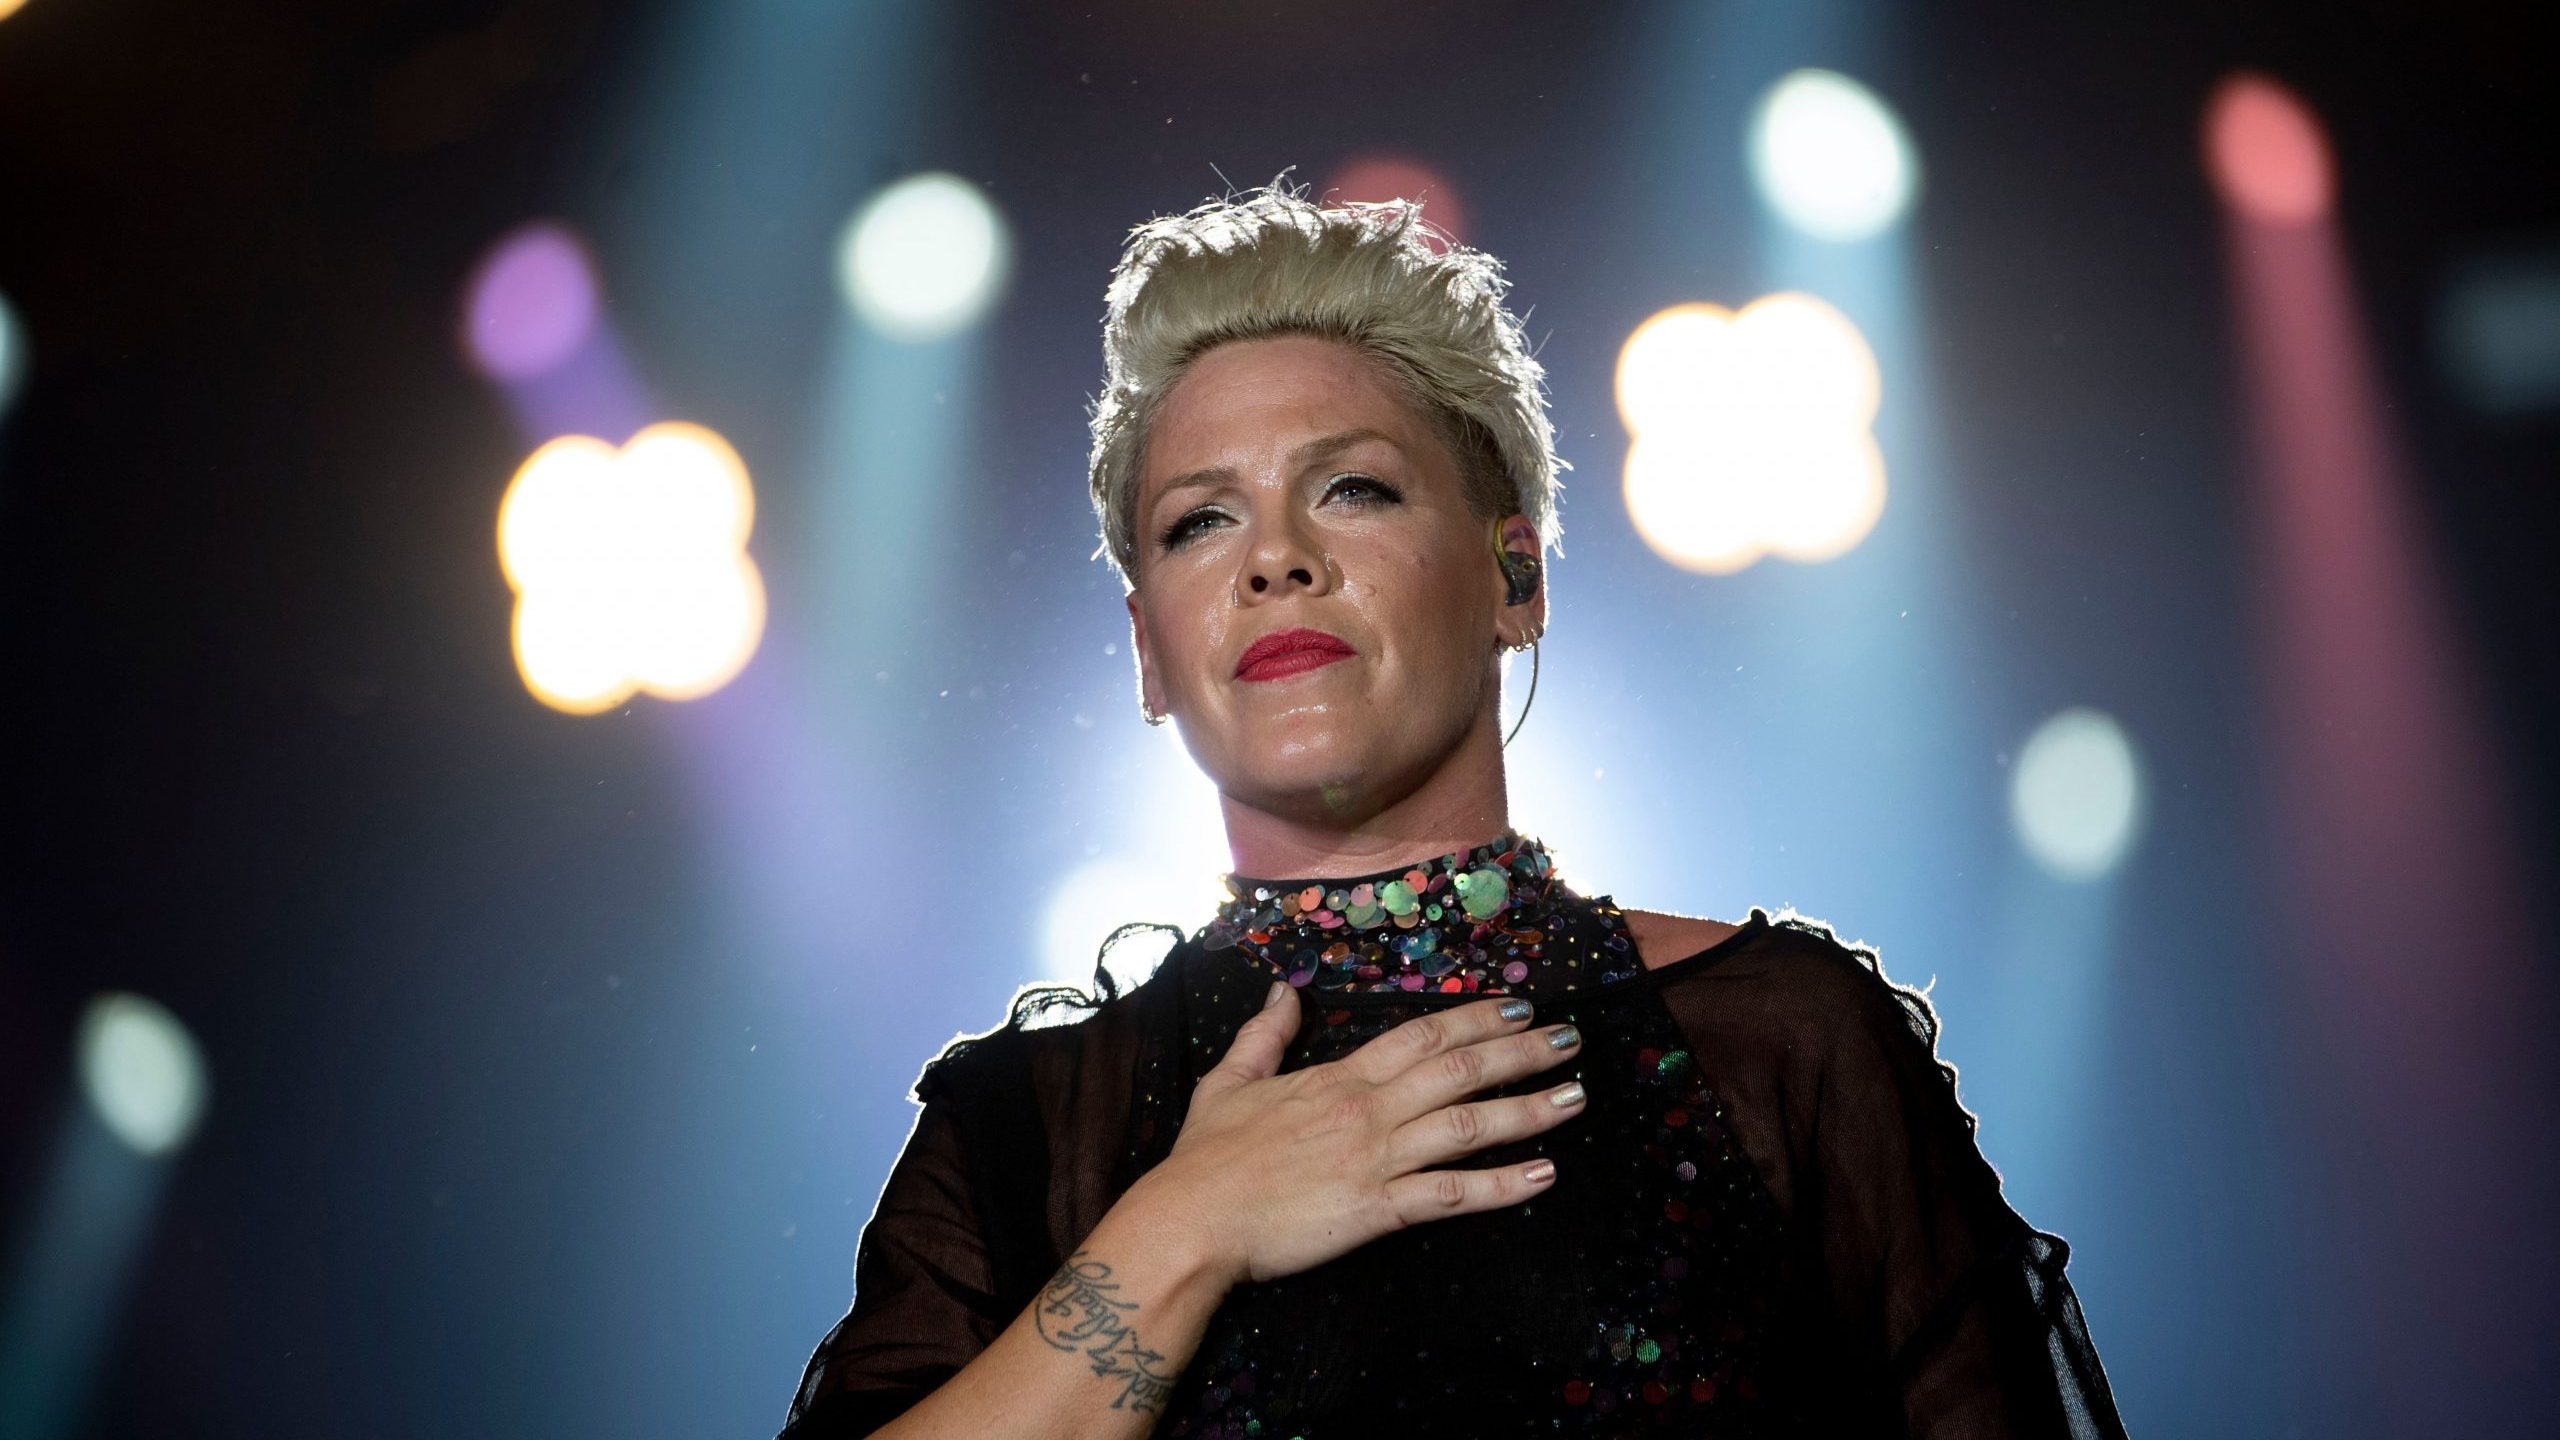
[1182, 531]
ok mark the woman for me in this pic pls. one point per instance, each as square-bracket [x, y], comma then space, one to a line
[1412, 1138]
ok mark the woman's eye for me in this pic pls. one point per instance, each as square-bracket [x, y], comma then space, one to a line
[1379, 490]
[1181, 530]
[1364, 489]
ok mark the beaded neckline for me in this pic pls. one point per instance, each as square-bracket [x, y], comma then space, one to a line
[1494, 919]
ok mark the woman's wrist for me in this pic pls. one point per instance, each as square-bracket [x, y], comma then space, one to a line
[1157, 1217]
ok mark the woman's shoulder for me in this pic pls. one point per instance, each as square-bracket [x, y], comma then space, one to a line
[1808, 975]
[1051, 1027]
[1662, 937]
[1666, 939]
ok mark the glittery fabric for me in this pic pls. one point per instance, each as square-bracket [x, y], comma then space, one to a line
[1770, 1219]
[1595, 1308]
[1639, 1291]
[1495, 919]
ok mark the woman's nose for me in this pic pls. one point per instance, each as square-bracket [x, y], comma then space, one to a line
[1281, 564]
[1260, 580]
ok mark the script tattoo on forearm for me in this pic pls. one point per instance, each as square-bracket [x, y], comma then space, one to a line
[1082, 1310]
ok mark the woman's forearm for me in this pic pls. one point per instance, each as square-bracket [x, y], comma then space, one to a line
[1096, 1353]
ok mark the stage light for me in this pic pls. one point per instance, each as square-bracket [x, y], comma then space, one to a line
[2076, 794]
[13, 352]
[630, 568]
[1169, 869]
[1830, 157]
[1096, 899]
[2265, 152]
[530, 304]
[141, 1072]
[924, 258]
[1388, 177]
[1752, 433]
[2497, 328]
[10, 7]
[1672, 366]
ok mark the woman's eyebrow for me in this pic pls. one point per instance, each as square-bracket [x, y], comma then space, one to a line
[1316, 452]
[1312, 453]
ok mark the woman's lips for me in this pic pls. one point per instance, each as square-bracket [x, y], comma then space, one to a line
[1289, 652]
[1290, 663]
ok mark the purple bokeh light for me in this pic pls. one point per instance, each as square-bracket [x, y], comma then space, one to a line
[531, 303]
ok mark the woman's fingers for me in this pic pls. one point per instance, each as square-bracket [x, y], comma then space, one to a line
[1455, 1130]
[1418, 1039]
[1438, 1194]
[1453, 1075]
[1299, 1161]
[1260, 1042]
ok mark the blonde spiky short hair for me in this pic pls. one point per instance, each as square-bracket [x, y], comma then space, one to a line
[1271, 262]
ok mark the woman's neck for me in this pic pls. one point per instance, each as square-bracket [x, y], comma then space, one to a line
[1340, 831]
[1464, 805]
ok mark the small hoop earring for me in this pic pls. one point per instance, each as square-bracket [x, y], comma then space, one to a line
[1149, 712]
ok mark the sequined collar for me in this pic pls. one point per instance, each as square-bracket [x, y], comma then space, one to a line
[1495, 919]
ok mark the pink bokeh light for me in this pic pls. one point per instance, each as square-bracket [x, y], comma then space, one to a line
[2403, 923]
[1389, 177]
[2266, 153]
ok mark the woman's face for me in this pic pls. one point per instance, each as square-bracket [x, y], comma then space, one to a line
[1290, 484]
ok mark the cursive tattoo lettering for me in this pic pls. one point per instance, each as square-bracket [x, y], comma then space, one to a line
[1082, 1310]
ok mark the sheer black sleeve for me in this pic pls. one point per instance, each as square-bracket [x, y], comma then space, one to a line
[1926, 1265]
[1018, 1153]
[924, 1300]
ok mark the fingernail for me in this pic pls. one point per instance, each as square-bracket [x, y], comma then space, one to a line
[1515, 1010]
[1540, 1173]
[1271, 997]
[1564, 1038]
[1564, 1095]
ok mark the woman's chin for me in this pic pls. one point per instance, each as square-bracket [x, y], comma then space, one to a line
[1302, 776]
[1302, 744]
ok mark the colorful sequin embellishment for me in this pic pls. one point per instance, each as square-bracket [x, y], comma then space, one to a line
[1495, 919]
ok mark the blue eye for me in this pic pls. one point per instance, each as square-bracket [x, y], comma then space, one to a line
[1386, 493]
[1180, 530]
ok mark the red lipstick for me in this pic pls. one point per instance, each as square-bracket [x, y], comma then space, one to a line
[1287, 652]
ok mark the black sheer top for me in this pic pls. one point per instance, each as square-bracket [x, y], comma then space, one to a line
[1770, 1219]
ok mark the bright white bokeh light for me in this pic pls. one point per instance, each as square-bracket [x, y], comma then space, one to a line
[630, 568]
[1831, 158]
[1752, 433]
[1167, 869]
[926, 257]
[1095, 899]
[13, 352]
[2076, 794]
[141, 1072]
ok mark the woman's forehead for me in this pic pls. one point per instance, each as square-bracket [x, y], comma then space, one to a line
[1291, 400]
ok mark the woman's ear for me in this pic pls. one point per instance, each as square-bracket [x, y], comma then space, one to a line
[1520, 623]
